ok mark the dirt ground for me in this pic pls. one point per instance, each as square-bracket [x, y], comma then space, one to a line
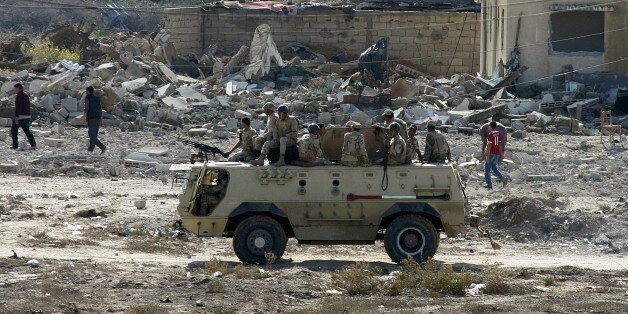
[563, 247]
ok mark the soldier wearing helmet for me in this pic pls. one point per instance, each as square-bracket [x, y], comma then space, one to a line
[389, 118]
[353, 148]
[310, 150]
[284, 134]
[269, 110]
[396, 146]
[436, 147]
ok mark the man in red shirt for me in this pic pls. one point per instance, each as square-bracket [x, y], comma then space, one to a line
[492, 155]
[22, 118]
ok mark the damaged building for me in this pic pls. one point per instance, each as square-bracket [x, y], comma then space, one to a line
[434, 37]
[586, 40]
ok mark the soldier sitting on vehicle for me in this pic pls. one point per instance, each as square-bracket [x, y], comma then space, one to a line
[310, 151]
[354, 149]
[412, 146]
[246, 144]
[396, 146]
[436, 147]
[284, 133]
[259, 140]
[389, 118]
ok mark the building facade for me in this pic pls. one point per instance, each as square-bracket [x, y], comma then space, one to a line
[437, 42]
[589, 36]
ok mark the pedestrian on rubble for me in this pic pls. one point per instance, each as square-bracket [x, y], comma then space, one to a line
[245, 143]
[92, 115]
[503, 135]
[22, 117]
[436, 146]
[413, 152]
[492, 155]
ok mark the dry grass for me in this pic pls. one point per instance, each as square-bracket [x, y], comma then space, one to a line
[358, 279]
[215, 287]
[433, 276]
[240, 271]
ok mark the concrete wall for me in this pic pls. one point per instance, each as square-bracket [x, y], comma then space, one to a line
[499, 30]
[426, 40]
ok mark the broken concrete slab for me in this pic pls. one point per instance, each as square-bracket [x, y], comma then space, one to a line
[154, 151]
[197, 132]
[189, 92]
[136, 86]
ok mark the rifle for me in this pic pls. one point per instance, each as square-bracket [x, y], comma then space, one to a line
[204, 149]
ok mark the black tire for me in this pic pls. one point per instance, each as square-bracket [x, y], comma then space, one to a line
[411, 236]
[257, 235]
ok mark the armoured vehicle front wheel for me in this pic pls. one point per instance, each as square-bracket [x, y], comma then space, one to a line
[256, 237]
[411, 236]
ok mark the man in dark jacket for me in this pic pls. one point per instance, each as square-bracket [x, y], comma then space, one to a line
[22, 118]
[93, 116]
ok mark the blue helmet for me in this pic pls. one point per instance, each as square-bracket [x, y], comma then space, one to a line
[282, 108]
[395, 127]
[313, 128]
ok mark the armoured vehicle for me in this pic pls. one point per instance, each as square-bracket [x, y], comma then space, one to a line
[407, 206]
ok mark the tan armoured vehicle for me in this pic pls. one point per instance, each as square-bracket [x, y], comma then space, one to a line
[407, 206]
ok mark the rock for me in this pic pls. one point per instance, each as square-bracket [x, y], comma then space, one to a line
[165, 90]
[33, 263]
[178, 103]
[53, 142]
[70, 104]
[108, 98]
[197, 132]
[49, 101]
[517, 125]
[239, 114]
[136, 86]
[188, 92]
[6, 122]
[77, 120]
[519, 134]
[140, 204]
[58, 129]
[325, 118]
[602, 239]
[56, 117]
[105, 71]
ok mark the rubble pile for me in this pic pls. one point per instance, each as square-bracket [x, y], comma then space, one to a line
[146, 85]
[513, 218]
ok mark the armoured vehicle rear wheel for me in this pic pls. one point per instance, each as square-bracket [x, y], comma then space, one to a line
[256, 236]
[411, 236]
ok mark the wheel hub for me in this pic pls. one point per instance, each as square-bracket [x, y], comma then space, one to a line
[259, 242]
[411, 241]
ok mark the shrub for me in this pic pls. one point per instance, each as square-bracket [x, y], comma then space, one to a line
[358, 279]
[553, 194]
[43, 51]
[549, 281]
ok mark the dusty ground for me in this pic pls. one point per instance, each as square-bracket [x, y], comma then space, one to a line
[563, 246]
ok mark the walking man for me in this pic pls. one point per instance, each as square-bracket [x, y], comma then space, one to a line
[93, 116]
[492, 155]
[22, 118]
[485, 129]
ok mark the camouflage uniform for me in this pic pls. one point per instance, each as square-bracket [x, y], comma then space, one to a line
[354, 150]
[246, 147]
[412, 147]
[284, 134]
[310, 149]
[268, 133]
[436, 148]
[404, 129]
[397, 151]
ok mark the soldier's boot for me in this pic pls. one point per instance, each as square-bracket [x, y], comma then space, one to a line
[281, 161]
[259, 161]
